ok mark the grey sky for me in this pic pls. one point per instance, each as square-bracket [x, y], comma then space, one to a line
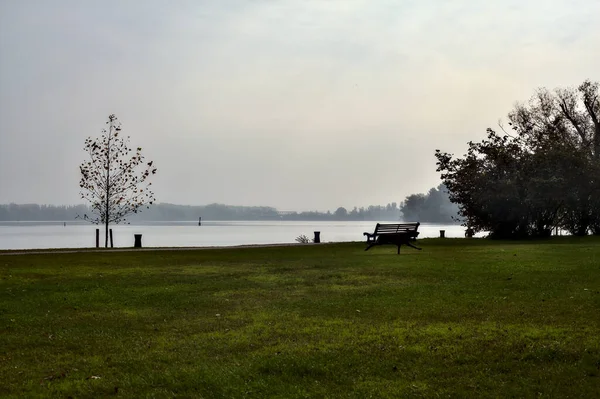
[299, 104]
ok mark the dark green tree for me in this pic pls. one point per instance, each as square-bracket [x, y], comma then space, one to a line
[565, 124]
[542, 175]
[487, 185]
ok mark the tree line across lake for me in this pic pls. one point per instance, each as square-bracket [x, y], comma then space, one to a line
[432, 207]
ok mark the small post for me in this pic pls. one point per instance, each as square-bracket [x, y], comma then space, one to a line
[317, 238]
[200, 221]
[137, 240]
[97, 238]
[442, 233]
[111, 238]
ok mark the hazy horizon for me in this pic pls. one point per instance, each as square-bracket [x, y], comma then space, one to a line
[349, 208]
[298, 105]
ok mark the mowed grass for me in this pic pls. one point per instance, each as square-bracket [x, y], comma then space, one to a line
[462, 318]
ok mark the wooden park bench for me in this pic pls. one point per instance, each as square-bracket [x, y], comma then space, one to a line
[395, 234]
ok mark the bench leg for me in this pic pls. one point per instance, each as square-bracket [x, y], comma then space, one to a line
[399, 245]
[369, 246]
[410, 245]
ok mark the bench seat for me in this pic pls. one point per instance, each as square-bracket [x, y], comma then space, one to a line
[393, 233]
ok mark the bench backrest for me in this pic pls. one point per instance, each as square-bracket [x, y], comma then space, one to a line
[396, 228]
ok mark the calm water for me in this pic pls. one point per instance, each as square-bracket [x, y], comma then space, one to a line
[23, 235]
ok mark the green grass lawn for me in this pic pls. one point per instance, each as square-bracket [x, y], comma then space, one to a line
[462, 318]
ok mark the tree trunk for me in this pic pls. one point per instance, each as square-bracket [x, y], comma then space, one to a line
[584, 224]
[597, 143]
[107, 209]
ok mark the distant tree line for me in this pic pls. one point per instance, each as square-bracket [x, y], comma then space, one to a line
[372, 212]
[545, 174]
[41, 213]
[172, 212]
[433, 207]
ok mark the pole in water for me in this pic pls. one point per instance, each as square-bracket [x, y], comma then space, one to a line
[200, 221]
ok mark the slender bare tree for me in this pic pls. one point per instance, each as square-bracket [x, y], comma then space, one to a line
[115, 178]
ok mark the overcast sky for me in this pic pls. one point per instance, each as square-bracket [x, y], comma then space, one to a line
[301, 105]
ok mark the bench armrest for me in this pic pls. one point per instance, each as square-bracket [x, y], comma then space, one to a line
[370, 236]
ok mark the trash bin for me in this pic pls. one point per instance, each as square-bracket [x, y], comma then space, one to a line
[317, 237]
[442, 233]
[137, 243]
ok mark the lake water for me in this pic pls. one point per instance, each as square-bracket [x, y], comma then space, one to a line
[40, 235]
